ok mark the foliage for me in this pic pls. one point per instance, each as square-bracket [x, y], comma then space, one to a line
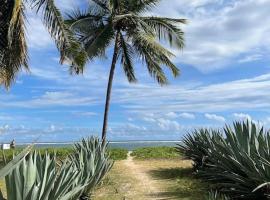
[216, 196]
[124, 22]
[155, 153]
[8, 167]
[90, 157]
[195, 146]
[13, 45]
[41, 176]
[37, 177]
[62, 153]
[236, 160]
[118, 154]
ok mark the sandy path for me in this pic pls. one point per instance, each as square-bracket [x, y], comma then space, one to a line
[144, 181]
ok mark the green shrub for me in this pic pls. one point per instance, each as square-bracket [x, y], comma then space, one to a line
[62, 153]
[155, 153]
[118, 154]
[236, 160]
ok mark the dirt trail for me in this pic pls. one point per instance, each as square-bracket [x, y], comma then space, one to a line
[145, 182]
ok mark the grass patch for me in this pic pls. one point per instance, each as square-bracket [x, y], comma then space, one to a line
[181, 184]
[118, 154]
[61, 153]
[172, 177]
[155, 153]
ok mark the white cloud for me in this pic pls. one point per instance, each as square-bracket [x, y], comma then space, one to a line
[220, 32]
[168, 125]
[242, 116]
[215, 117]
[250, 58]
[172, 115]
[149, 119]
[251, 93]
[187, 115]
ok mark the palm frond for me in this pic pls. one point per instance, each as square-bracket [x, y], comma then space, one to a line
[13, 55]
[103, 4]
[83, 23]
[167, 29]
[138, 6]
[70, 49]
[96, 43]
[147, 45]
[127, 60]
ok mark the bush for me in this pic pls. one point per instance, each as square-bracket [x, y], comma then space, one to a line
[236, 160]
[155, 153]
[62, 153]
[118, 154]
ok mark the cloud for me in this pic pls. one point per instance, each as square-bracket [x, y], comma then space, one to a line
[240, 27]
[215, 117]
[242, 116]
[168, 125]
[172, 115]
[187, 116]
[241, 94]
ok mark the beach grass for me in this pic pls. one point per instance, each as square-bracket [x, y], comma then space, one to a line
[155, 153]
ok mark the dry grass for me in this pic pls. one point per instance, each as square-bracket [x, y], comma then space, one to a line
[172, 179]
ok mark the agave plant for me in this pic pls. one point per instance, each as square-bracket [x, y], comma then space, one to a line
[238, 159]
[214, 195]
[195, 146]
[13, 163]
[91, 158]
[39, 177]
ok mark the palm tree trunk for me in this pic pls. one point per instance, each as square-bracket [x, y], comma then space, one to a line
[109, 90]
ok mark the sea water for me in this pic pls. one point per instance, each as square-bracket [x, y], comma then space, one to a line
[129, 145]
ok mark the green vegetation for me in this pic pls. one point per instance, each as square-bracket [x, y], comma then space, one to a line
[62, 153]
[236, 161]
[41, 176]
[172, 179]
[134, 35]
[155, 153]
[118, 153]
[13, 43]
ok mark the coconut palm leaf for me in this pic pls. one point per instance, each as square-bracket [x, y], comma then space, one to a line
[13, 47]
[13, 53]
[69, 48]
[127, 59]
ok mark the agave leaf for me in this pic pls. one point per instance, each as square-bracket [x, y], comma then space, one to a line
[12, 164]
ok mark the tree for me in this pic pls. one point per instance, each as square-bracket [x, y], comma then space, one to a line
[13, 46]
[123, 23]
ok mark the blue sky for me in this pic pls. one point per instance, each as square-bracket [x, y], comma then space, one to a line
[225, 76]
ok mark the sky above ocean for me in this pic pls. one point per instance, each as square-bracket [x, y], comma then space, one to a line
[225, 76]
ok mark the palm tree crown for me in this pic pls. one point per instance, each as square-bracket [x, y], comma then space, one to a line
[134, 34]
[123, 21]
[13, 46]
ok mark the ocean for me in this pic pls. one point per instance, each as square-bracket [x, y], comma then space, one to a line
[129, 145]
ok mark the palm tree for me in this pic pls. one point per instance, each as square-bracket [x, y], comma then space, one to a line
[13, 46]
[134, 35]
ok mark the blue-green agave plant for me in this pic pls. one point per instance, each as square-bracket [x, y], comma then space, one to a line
[236, 160]
[41, 177]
